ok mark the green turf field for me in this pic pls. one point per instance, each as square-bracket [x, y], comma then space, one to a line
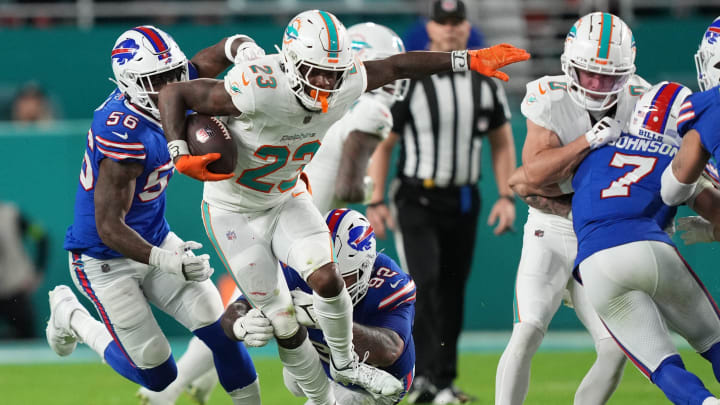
[555, 375]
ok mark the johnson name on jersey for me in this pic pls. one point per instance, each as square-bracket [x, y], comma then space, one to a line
[389, 303]
[122, 132]
[548, 104]
[369, 114]
[276, 136]
[700, 112]
[617, 194]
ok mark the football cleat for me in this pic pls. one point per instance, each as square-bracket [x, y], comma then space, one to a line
[422, 391]
[61, 338]
[452, 395]
[148, 397]
[203, 386]
[377, 382]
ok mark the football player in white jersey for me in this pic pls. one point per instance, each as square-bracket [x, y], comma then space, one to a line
[337, 172]
[567, 116]
[336, 175]
[280, 106]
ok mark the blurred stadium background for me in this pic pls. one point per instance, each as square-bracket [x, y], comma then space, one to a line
[62, 48]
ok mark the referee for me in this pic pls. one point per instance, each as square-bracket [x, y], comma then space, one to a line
[435, 200]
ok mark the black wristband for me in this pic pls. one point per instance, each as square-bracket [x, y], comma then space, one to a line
[376, 203]
[510, 198]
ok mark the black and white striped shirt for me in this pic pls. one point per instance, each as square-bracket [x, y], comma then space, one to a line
[441, 122]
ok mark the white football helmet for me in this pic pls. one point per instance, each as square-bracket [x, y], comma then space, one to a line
[354, 241]
[600, 43]
[373, 41]
[142, 58]
[656, 113]
[315, 39]
[707, 58]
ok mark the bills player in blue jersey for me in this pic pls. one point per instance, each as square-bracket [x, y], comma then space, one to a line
[383, 297]
[633, 275]
[122, 253]
[698, 123]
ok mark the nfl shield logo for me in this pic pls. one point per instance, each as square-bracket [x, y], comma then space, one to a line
[202, 135]
[230, 235]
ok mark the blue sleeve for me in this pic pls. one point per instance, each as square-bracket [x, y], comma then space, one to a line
[399, 320]
[192, 71]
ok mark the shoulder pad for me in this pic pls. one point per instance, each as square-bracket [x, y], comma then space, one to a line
[539, 96]
[239, 86]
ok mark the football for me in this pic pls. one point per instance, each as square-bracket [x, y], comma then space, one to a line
[206, 134]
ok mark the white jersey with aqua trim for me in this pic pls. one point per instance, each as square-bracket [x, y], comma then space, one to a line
[548, 104]
[275, 135]
[369, 114]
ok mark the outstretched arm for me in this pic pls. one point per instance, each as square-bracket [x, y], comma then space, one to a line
[214, 59]
[416, 65]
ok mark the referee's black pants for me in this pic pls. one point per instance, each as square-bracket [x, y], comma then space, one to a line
[436, 228]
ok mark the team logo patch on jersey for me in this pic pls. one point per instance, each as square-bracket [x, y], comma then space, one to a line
[124, 51]
[235, 87]
[360, 237]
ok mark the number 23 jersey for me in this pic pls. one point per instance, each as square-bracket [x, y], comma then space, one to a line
[275, 135]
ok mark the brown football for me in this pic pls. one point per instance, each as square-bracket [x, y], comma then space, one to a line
[207, 134]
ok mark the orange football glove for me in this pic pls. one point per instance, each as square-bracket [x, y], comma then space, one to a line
[487, 61]
[196, 167]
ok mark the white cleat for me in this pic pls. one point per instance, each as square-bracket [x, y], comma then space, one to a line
[148, 397]
[377, 382]
[203, 386]
[60, 336]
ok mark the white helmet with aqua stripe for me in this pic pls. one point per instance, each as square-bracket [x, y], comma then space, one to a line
[315, 39]
[601, 48]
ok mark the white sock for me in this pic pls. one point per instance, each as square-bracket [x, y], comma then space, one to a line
[604, 376]
[90, 331]
[513, 374]
[303, 364]
[335, 318]
[247, 395]
[196, 361]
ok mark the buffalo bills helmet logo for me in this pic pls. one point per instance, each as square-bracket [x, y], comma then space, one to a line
[124, 51]
[713, 32]
[360, 237]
